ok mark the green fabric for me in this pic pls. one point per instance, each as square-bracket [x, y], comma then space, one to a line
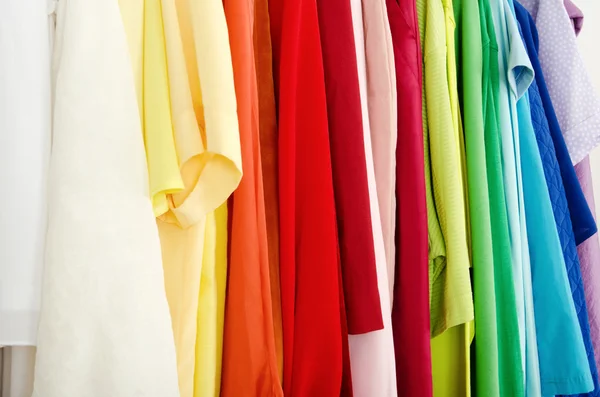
[437, 247]
[450, 286]
[510, 365]
[470, 54]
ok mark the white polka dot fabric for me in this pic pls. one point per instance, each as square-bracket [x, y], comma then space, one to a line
[575, 101]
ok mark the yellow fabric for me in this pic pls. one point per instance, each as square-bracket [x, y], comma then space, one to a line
[451, 362]
[451, 298]
[454, 314]
[211, 306]
[163, 166]
[180, 51]
[207, 141]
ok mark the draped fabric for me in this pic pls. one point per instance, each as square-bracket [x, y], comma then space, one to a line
[410, 313]
[249, 356]
[309, 257]
[103, 288]
[267, 118]
[350, 186]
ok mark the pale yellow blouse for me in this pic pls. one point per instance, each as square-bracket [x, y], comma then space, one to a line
[205, 140]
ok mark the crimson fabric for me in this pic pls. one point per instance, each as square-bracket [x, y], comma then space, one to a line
[309, 265]
[350, 186]
[410, 313]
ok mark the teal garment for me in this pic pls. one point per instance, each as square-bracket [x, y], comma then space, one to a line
[564, 367]
[510, 363]
[516, 75]
[469, 62]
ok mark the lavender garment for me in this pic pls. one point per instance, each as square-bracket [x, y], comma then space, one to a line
[589, 250]
[576, 16]
[576, 103]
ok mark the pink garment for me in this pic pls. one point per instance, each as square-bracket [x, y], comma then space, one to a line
[589, 260]
[383, 119]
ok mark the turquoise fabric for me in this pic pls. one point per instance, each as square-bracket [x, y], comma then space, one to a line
[564, 367]
[516, 75]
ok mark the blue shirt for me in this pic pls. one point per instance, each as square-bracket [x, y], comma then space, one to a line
[556, 189]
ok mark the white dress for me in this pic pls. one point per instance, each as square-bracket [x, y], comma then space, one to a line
[105, 329]
[24, 157]
[372, 354]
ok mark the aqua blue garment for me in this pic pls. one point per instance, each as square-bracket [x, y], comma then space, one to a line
[564, 367]
[541, 112]
[515, 76]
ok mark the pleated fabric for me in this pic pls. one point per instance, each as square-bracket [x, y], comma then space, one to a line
[249, 356]
[310, 286]
[103, 292]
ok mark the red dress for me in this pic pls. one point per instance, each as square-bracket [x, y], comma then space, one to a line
[309, 258]
[410, 313]
[350, 184]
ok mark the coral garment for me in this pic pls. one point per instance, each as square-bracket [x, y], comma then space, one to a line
[249, 357]
[267, 119]
[351, 190]
[410, 313]
[312, 326]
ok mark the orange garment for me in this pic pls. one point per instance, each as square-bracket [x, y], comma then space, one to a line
[267, 119]
[249, 357]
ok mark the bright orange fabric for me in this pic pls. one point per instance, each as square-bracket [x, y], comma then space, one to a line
[249, 357]
[267, 118]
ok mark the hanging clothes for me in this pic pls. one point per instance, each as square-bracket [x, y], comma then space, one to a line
[470, 59]
[311, 307]
[249, 356]
[577, 109]
[25, 122]
[540, 113]
[383, 119]
[371, 354]
[576, 103]
[355, 231]
[267, 119]
[410, 313]
[510, 362]
[103, 280]
[515, 77]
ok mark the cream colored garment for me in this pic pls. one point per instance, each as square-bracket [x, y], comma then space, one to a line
[16, 371]
[104, 327]
[372, 354]
[383, 118]
[24, 160]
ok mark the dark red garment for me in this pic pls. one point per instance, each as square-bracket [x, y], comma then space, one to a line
[350, 185]
[309, 264]
[410, 313]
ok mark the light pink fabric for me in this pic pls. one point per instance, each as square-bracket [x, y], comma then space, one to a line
[382, 100]
[372, 354]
